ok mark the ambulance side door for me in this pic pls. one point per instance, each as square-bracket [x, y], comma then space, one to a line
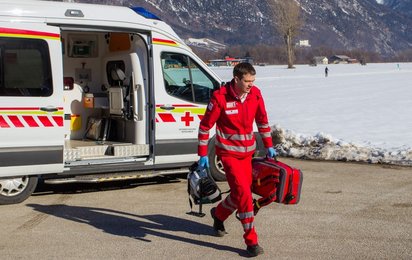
[181, 94]
[31, 98]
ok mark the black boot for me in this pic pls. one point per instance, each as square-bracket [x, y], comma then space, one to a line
[217, 224]
[254, 250]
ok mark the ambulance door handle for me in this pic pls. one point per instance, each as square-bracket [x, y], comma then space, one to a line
[167, 107]
[49, 109]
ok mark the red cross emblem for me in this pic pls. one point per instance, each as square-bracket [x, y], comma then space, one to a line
[187, 119]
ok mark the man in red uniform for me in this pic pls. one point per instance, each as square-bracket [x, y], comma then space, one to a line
[234, 108]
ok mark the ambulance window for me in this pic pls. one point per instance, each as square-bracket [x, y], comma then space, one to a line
[185, 79]
[25, 68]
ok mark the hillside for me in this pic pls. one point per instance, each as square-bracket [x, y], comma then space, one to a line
[344, 25]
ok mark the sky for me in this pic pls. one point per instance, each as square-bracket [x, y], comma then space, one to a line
[366, 110]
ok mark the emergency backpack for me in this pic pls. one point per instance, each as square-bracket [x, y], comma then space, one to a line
[202, 188]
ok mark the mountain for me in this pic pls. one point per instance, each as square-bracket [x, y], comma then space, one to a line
[402, 6]
[342, 25]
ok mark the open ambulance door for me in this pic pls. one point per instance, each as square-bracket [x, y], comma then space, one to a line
[183, 89]
[31, 112]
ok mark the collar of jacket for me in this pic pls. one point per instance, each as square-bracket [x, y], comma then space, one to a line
[229, 89]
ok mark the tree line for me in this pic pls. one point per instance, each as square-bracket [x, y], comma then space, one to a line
[269, 54]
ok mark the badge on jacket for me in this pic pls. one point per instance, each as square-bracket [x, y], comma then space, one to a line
[210, 106]
[231, 104]
[232, 112]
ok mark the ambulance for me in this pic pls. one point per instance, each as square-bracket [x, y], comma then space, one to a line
[93, 93]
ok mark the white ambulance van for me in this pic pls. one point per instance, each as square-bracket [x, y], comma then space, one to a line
[92, 93]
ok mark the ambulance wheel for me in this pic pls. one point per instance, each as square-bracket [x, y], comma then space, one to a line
[16, 190]
[216, 166]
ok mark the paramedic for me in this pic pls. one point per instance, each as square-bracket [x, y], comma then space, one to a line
[234, 108]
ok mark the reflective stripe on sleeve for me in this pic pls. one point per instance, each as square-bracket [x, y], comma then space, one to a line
[203, 142]
[202, 132]
[263, 126]
[265, 135]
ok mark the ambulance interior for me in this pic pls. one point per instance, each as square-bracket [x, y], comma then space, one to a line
[105, 96]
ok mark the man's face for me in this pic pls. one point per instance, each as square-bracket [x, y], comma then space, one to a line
[244, 85]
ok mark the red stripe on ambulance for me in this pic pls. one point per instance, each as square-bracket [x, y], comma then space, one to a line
[16, 121]
[58, 120]
[28, 32]
[30, 121]
[3, 123]
[166, 117]
[45, 121]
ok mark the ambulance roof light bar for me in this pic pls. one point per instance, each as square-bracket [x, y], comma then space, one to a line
[146, 14]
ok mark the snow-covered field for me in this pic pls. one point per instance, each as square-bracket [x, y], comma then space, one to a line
[357, 113]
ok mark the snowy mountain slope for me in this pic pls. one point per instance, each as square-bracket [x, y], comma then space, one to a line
[403, 6]
[344, 24]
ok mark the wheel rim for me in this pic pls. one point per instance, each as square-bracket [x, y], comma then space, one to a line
[219, 165]
[13, 187]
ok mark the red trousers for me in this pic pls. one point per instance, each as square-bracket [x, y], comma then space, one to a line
[239, 176]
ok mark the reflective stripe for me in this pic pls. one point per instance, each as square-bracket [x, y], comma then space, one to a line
[240, 149]
[228, 204]
[235, 137]
[203, 142]
[263, 126]
[246, 215]
[202, 132]
[265, 135]
[247, 226]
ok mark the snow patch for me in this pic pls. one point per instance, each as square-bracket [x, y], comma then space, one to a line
[205, 43]
[324, 147]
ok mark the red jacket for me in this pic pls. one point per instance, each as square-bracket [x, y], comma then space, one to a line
[234, 123]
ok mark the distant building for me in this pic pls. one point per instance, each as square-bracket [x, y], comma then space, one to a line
[320, 60]
[342, 59]
[228, 61]
[303, 43]
[339, 59]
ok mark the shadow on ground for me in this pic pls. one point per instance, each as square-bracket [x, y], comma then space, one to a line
[73, 188]
[134, 226]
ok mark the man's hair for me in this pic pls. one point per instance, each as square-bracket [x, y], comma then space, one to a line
[242, 69]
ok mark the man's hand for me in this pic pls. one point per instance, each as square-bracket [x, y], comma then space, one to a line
[271, 152]
[204, 162]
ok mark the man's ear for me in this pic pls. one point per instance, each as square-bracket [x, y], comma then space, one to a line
[236, 79]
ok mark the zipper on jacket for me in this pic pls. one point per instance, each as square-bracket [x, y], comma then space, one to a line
[244, 108]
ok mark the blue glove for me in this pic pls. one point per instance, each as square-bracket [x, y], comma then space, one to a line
[204, 162]
[271, 153]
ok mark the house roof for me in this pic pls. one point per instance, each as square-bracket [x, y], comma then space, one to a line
[342, 57]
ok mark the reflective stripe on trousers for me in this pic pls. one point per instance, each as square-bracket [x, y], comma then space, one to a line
[239, 178]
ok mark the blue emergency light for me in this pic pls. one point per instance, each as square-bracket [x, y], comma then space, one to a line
[146, 14]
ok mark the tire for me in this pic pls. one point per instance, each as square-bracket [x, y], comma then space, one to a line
[216, 166]
[16, 190]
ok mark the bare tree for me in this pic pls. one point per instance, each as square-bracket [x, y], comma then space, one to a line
[287, 18]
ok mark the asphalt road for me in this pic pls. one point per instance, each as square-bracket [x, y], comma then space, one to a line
[347, 211]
